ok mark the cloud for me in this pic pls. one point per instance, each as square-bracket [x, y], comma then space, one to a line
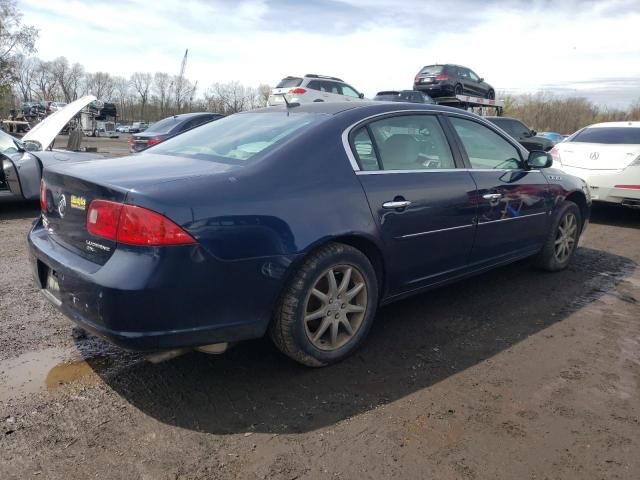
[373, 44]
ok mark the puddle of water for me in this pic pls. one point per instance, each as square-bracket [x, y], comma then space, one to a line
[47, 369]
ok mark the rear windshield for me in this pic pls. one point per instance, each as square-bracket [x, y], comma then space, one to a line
[289, 82]
[164, 125]
[238, 139]
[612, 135]
[432, 70]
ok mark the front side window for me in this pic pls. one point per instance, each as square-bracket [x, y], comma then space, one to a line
[349, 92]
[485, 148]
[473, 76]
[407, 142]
[239, 138]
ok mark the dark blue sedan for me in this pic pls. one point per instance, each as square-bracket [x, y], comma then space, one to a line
[169, 127]
[298, 221]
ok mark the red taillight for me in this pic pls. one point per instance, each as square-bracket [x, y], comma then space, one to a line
[555, 154]
[153, 141]
[630, 187]
[133, 225]
[43, 195]
[102, 219]
[132, 141]
[442, 76]
[297, 91]
[416, 80]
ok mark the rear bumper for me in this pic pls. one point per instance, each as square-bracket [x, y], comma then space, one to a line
[149, 299]
[435, 90]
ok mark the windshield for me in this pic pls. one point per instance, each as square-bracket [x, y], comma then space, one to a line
[8, 144]
[164, 126]
[611, 135]
[239, 138]
[289, 82]
[432, 70]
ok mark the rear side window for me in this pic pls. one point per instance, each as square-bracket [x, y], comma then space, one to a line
[485, 148]
[289, 82]
[610, 135]
[164, 126]
[407, 142]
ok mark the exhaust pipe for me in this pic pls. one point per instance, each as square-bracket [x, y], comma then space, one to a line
[213, 349]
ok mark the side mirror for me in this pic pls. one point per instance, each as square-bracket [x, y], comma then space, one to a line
[361, 95]
[538, 159]
[480, 80]
[533, 133]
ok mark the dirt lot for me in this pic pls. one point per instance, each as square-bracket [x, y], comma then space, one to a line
[516, 374]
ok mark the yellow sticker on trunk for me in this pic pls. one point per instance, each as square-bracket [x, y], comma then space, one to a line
[78, 202]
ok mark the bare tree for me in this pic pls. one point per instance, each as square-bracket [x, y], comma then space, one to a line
[69, 77]
[24, 76]
[263, 94]
[101, 85]
[142, 84]
[14, 38]
[45, 85]
[162, 85]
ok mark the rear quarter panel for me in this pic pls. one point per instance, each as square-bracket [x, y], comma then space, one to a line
[301, 195]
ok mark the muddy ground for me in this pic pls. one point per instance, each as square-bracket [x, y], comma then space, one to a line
[515, 374]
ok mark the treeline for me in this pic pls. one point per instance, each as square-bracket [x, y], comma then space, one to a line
[142, 96]
[544, 111]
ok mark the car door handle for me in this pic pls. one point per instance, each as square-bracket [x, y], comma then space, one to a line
[396, 204]
[492, 196]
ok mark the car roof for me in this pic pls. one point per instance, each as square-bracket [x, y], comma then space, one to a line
[394, 92]
[615, 125]
[335, 108]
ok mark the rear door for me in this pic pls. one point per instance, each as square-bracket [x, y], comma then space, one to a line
[513, 203]
[423, 204]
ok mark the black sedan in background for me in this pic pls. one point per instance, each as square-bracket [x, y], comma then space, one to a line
[526, 136]
[411, 96]
[450, 80]
[169, 127]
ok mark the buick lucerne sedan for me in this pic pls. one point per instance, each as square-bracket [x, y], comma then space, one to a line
[298, 221]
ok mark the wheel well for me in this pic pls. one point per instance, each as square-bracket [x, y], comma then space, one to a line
[579, 199]
[372, 252]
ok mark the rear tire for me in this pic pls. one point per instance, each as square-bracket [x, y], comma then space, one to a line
[328, 307]
[491, 95]
[562, 240]
[458, 90]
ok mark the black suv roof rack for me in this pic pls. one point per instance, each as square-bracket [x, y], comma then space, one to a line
[313, 75]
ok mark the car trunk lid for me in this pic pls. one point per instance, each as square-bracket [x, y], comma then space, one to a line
[68, 199]
[597, 156]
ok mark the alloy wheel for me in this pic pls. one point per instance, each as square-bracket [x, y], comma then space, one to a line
[335, 307]
[566, 237]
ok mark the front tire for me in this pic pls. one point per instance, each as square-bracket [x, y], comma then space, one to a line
[562, 240]
[491, 95]
[328, 307]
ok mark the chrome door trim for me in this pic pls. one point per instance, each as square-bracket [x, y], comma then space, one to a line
[441, 170]
[411, 235]
[512, 218]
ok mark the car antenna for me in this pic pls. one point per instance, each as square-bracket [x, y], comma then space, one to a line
[289, 105]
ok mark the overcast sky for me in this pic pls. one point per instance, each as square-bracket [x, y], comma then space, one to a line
[588, 48]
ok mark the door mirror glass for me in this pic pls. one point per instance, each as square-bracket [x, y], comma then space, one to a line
[361, 95]
[539, 159]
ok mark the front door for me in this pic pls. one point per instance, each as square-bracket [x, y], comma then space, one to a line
[513, 203]
[423, 204]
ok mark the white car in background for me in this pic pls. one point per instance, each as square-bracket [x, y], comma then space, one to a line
[607, 157]
[313, 88]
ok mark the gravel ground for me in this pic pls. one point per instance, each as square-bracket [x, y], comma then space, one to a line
[512, 374]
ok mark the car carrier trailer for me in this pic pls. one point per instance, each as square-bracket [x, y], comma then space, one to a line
[481, 106]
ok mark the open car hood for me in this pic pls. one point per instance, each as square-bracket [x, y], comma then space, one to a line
[45, 132]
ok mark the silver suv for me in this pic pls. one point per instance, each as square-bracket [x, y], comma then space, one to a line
[313, 88]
